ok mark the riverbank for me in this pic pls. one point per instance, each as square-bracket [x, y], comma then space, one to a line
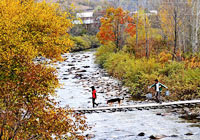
[138, 73]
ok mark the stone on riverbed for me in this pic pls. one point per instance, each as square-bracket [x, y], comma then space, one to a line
[72, 68]
[152, 137]
[65, 78]
[158, 114]
[81, 71]
[174, 136]
[84, 77]
[86, 56]
[77, 76]
[89, 136]
[70, 64]
[141, 134]
[189, 134]
[189, 116]
[86, 66]
[157, 137]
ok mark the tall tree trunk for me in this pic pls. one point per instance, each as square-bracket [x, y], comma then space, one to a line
[146, 37]
[117, 36]
[193, 25]
[137, 25]
[146, 33]
[175, 33]
[195, 47]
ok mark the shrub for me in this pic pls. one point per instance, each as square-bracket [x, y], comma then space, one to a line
[172, 68]
[189, 82]
[164, 57]
[103, 53]
[93, 40]
[138, 74]
[84, 42]
[80, 43]
[117, 64]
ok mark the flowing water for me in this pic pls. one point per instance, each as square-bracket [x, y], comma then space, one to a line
[79, 72]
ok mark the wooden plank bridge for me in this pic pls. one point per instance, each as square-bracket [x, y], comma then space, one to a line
[177, 104]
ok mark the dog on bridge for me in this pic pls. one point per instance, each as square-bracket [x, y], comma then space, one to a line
[111, 101]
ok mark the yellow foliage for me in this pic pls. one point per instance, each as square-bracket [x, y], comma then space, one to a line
[35, 27]
[138, 74]
[142, 20]
[29, 29]
[193, 62]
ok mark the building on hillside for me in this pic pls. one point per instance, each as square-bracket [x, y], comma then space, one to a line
[89, 20]
[86, 18]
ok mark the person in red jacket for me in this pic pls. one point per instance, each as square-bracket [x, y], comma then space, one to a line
[94, 96]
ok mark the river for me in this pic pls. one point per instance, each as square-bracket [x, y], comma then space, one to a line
[79, 72]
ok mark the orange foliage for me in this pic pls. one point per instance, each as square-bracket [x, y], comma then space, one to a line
[114, 24]
[164, 57]
[193, 62]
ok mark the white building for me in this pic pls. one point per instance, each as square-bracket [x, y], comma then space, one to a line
[85, 18]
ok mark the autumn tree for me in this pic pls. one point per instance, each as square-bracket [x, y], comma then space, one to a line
[114, 25]
[27, 109]
[172, 16]
[141, 42]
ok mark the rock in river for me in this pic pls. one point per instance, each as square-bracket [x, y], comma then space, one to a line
[65, 78]
[86, 66]
[70, 64]
[81, 71]
[189, 134]
[157, 137]
[141, 134]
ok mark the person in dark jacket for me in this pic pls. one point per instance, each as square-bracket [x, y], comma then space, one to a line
[158, 88]
[94, 96]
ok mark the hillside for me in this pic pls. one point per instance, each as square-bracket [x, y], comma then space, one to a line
[86, 5]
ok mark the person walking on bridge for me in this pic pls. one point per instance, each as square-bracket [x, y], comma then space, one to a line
[158, 88]
[94, 96]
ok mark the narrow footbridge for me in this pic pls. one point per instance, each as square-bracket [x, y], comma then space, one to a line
[148, 106]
